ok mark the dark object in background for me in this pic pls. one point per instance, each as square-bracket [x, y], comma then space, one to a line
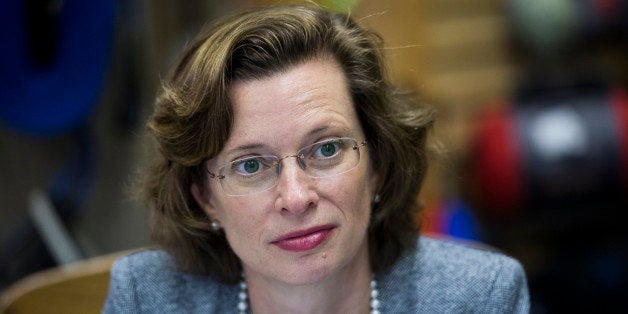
[553, 149]
[550, 184]
[549, 169]
[553, 28]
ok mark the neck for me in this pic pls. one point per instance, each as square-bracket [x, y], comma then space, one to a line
[345, 291]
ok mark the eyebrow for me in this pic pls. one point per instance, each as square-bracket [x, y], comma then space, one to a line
[318, 130]
[252, 146]
[245, 147]
[331, 126]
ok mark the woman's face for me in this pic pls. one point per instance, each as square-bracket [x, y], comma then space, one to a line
[303, 229]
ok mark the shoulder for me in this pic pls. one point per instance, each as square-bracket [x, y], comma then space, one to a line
[151, 261]
[149, 281]
[447, 276]
[459, 258]
[146, 267]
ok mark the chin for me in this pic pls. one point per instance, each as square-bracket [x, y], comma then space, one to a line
[306, 273]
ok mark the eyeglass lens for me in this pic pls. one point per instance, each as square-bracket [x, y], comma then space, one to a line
[322, 159]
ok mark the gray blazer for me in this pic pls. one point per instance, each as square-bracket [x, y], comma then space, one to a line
[438, 277]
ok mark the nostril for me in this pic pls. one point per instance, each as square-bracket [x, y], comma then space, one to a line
[298, 208]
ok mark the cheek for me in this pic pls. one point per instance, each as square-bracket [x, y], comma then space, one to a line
[240, 218]
[352, 194]
[231, 212]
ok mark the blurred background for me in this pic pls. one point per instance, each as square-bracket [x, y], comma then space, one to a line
[532, 109]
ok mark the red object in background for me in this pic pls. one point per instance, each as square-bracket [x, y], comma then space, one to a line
[607, 8]
[619, 107]
[497, 163]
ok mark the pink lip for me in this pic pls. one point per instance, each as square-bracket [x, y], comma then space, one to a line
[304, 240]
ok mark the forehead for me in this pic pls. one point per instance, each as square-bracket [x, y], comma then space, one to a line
[298, 105]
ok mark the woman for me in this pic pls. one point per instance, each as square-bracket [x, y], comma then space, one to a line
[286, 182]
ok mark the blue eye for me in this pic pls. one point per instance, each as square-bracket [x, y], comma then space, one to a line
[327, 149]
[248, 166]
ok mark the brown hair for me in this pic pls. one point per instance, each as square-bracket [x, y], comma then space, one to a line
[193, 118]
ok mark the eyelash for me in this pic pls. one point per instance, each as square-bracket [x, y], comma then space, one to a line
[319, 139]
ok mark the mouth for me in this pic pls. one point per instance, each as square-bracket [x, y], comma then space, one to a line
[304, 240]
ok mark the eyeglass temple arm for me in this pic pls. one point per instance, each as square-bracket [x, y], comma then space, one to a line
[363, 143]
[213, 175]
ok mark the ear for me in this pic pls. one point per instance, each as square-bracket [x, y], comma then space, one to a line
[201, 196]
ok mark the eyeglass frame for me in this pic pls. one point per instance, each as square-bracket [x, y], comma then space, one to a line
[277, 164]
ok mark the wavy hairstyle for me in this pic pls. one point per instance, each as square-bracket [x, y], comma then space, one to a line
[192, 120]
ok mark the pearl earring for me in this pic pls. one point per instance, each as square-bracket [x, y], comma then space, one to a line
[215, 226]
[376, 198]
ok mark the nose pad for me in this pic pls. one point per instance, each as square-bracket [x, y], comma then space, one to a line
[298, 175]
[301, 162]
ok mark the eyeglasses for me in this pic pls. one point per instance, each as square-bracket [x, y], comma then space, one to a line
[322, 159]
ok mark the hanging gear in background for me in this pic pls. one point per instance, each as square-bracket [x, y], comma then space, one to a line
[549, 170]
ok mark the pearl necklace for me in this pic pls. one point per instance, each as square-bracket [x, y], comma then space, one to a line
[243, 297]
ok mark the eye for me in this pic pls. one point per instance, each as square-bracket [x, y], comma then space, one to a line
[247, 166]
[327, 149]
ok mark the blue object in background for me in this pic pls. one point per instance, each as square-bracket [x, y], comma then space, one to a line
[459, 220]
[52, 63]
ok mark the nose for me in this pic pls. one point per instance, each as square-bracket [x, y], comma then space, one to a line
[295, 188]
